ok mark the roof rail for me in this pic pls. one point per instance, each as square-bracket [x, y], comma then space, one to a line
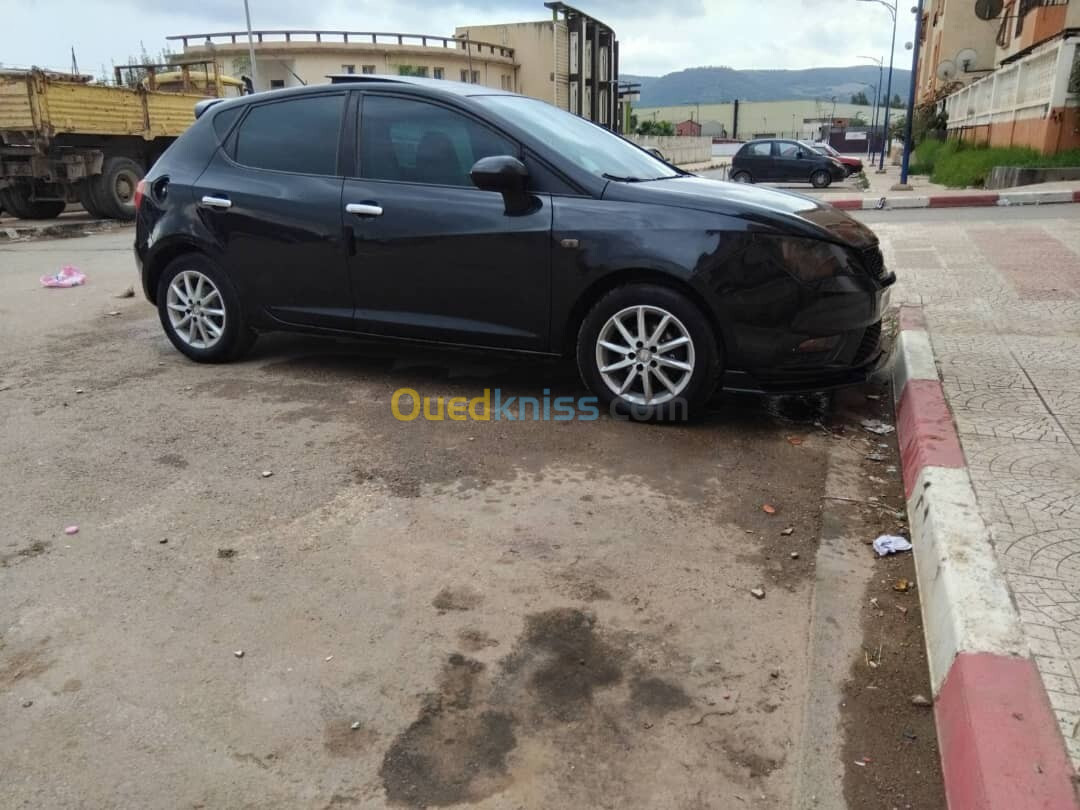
[343, 37]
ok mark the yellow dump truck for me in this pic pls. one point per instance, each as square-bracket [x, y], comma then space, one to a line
[65, 138]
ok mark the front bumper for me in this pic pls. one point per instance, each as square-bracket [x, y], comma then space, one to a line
[806, 380]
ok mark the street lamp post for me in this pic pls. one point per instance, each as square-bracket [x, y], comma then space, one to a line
[877, 102]
[251, 46]
[904, 164]
[891, 6]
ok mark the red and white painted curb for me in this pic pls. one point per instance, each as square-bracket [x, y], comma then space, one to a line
[1001, 747]
[989, 199]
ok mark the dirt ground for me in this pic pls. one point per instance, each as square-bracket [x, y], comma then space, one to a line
[495, 614]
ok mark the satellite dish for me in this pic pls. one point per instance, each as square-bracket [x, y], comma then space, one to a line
[967, 59]
[946, 71]
[988, 9]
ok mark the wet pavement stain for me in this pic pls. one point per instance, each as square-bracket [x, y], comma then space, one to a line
[459, 598]
[455, 751]
[659, 695]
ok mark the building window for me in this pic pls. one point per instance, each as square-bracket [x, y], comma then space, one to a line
[439, 73]
[465, 75]
[277, 84]
[350, 69]
[506, 83]
[368, 69]
[476, 77]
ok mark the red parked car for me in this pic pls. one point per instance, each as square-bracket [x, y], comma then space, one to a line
[853, 165]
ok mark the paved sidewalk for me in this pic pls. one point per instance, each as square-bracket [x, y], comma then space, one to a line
[1002, 305]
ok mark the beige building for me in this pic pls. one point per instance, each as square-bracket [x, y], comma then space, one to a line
[957, 47]
[570, 60]
[293, 58]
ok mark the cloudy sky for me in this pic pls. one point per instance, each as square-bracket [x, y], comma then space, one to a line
[656, 37]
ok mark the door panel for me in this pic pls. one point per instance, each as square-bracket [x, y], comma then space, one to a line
[444, 263]
[433, 257]
[280, 230]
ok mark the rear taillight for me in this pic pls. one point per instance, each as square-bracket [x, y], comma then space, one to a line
[140, 190]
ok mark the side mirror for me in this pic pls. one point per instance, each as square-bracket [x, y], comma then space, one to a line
[508, 176]
[502, 173]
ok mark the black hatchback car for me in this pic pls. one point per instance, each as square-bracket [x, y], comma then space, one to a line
[425, 210]
[771, 161]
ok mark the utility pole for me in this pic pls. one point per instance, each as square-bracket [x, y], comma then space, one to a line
[904, 164]
[251, 46]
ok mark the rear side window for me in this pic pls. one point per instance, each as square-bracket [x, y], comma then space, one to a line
[415, 142]
[758, 149]
[224, 120]
[299, 135]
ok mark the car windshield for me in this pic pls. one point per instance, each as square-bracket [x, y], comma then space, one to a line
[591, 147]
[823, 148]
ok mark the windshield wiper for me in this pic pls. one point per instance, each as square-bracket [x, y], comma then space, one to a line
[618, 179]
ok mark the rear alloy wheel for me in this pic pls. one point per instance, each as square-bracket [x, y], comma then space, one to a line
[113, 190]
[821, 179]
[16, 201]
[200, 311]
[742, 177]
[649, 352]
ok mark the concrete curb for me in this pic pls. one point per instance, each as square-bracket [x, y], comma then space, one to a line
[1004, 198]
[11, 233]
[1001, 747]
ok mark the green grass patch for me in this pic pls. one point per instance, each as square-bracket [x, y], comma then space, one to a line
[956, 165]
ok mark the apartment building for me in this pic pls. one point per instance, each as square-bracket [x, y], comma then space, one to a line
[570, 60]
[1032, 98]
[957, 46]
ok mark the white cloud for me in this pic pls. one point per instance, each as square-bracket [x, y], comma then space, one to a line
[655, 37]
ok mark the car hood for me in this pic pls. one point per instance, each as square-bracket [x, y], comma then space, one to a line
[765, 208]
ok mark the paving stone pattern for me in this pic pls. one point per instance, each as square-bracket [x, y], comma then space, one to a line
[1003, 308]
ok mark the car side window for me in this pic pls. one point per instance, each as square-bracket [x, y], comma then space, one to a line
[789, 150]
[415, 142]
[298, 135]
[763, 149]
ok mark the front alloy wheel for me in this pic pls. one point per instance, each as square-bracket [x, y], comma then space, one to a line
[648, 351]
[645, 355]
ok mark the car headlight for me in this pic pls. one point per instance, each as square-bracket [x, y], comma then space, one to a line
[812, 260]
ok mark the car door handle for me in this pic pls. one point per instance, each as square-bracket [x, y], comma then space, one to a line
[217, 202]
[364, 209]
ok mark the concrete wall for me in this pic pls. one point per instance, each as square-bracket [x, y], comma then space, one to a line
[679, 151]
[1009, 176]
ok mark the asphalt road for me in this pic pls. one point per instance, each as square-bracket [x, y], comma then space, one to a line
[509, 615]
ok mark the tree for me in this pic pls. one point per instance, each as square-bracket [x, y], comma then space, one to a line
[135, 76]
[897, 101]
[656, 128]
[897, 127]
[860, 99]
[858, 120]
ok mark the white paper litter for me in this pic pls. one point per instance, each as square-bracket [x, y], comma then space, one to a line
[890, 544]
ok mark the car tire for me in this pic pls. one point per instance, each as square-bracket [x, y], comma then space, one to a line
[742, 177]
[85, 190]
[821, 179]
[680, 379]
[201, 312]
[15, 202]
[114, 189]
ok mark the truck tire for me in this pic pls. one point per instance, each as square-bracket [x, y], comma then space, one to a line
[85, 190]
[114, 189]
[15, 202]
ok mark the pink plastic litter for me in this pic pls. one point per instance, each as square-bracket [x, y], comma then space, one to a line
[67, 277]
[71, 530]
